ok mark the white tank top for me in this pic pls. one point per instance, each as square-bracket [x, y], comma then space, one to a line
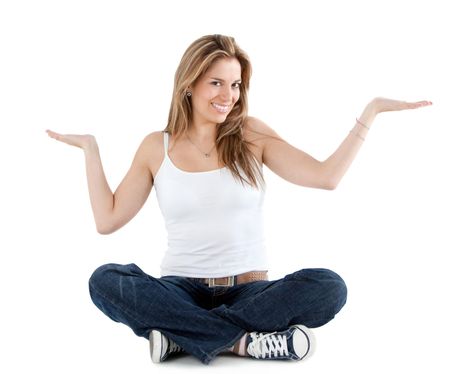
[214, 223]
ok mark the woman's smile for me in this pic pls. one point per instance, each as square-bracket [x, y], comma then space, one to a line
[221, 108]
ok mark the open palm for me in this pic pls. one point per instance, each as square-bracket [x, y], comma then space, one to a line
[81, 141]
[383, 104]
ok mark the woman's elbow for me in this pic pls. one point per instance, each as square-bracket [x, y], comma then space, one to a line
[327, 178]
[104, 229]
[329, 184]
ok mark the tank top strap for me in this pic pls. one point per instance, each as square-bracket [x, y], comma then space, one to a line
[166, 142]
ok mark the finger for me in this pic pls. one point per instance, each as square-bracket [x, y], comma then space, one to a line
[420, 104]
[53, 134]
[59, 137]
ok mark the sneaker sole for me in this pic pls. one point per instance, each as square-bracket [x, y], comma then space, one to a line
[311, 341]
[157, 343]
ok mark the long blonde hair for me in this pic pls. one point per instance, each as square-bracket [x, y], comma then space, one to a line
[232, 149]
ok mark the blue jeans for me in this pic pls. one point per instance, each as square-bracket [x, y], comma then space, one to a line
[206, 321]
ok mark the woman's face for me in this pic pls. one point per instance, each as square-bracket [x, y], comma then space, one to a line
[216, 92]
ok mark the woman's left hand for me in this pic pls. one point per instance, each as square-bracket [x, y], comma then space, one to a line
[381, 104]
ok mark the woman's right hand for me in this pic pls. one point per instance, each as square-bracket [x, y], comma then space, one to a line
[84, 142]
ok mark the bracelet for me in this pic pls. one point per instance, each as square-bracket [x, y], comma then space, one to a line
[358, 135]
[362, 124]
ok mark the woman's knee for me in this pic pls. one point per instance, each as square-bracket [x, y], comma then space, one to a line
[339, 288]
[105, 276]
[326, 282]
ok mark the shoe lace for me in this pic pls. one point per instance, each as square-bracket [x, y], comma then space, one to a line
[173, 347]
[267, 345]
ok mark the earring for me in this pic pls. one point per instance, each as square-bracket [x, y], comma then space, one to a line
[189, 93]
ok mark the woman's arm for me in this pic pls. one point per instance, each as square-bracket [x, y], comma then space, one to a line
[335, 166]
[299, 168]
[112, 211]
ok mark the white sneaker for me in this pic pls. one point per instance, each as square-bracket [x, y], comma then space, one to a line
[295, 343]
[161, 347]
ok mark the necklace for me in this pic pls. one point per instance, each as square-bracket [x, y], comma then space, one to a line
[205, 154]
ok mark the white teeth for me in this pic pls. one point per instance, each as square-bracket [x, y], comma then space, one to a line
[221, 108]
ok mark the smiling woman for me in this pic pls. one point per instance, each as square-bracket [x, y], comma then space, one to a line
[213, 98]
[222, 93]
[210, 106]
[214, 294]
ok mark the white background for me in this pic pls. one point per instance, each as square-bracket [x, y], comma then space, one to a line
[107, 67]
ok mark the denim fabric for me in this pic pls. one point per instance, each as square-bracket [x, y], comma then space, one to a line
[206, 321]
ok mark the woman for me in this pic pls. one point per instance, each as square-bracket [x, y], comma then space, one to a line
[214, 294]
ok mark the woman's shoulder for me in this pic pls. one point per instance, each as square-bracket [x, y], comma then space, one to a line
[256, 125]
[153, 137]
[256, 130]
[153, 147]
[152, 143]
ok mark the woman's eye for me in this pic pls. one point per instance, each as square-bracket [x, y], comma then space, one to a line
[235, 85]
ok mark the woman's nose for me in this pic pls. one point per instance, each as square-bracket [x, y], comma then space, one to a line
[227, 94]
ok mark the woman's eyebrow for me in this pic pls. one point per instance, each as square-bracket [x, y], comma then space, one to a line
[221, 80]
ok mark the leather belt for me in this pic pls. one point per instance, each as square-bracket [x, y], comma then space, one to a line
[230, 281]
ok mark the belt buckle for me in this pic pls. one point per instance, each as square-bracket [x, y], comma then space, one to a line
[212, 282]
